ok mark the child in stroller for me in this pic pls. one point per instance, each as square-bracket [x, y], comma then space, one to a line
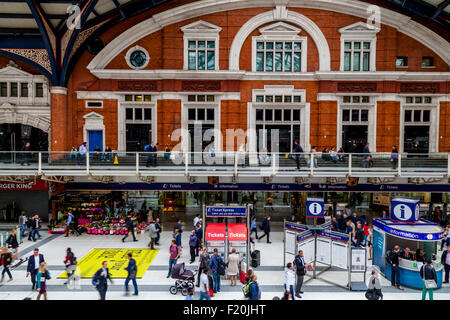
[184, 279]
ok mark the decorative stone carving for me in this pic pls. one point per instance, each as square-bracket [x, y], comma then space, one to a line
[415, 87]
[39, 56]
[357, 86]
[200, 85]
[137, 85]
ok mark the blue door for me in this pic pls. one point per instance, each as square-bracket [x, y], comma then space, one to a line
[95, 140]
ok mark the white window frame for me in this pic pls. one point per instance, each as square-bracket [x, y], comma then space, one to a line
[433, 123]
[371, 123]
[360, 32]
[123, 105]
[201, 31]
[278, 90]
[89, 107]
[93, 122]
[128, 56]
[281, 32]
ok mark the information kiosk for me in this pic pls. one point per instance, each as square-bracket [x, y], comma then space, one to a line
[405, 230]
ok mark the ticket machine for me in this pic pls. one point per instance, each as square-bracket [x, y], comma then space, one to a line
[215, 238]
[237, 237]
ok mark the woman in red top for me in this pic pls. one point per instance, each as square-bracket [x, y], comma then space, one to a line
[367, 241]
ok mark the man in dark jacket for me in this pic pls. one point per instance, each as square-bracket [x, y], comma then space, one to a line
[214, 263]
[359, 234]
[445, 260]
[407, 254]
[266, 229]
[34, 261]
[199, 234]
[393, 259]
[298, 151]
[342, 223]
[255, 293]
[132, 271]
[300, 271]
[158, 231]
[130, 228]
[427, 272]
[100, 278]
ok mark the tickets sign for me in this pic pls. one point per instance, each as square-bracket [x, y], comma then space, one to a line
[224, 212]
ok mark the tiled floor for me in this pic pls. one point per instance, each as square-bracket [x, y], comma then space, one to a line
[154, 285]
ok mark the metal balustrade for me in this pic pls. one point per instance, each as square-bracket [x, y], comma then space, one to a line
[249, 164]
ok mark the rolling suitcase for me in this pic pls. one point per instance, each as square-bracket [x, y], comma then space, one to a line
[242, 276]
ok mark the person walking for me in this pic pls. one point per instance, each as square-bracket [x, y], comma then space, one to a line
[196, 219]
[374, 286]
[71, 264]
[13, 244]
[214, 263]
[428, 274]
[289, 279]
[367, 232]
[153, 235]
[177, 226]
[35, 225]
[297, 153]
[26, 154]
[204, 285]
[192, 245]
[130, 227]
[158, 231]
[393, 259]
[445, 260]
[255, 292]
[69, 223]
[444, 238]
[178, 237]
[5, 261]
[175, 252]
[359, 235]
[300, 271]
[34, 261]
[199, 234]
[394, 157]
[253, 229]
[23, 224]
[41, 279]
[100, 279]
[132, 272]
[202, 264]
[233, 267]
[266, 229]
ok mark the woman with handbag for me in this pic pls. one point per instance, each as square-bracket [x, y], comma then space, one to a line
[13, 243]
[233, 266]
[428, 274]
[41, 280]
[202, 264]
[5, 261]
[374, 288]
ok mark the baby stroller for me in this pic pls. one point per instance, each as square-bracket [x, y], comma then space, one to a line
[185, 279]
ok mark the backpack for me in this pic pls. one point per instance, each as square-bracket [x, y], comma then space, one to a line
[371, 294]
[94, 281]
[221, 268]
[246, 289]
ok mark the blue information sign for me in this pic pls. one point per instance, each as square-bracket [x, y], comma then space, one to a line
[405, 210]
[315, 207]
[226, 212]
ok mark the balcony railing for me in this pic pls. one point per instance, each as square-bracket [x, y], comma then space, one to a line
[249, 164]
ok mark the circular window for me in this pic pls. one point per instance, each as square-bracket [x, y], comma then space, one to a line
[137, 57]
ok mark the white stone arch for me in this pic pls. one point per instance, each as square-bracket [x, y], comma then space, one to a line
[280, 13]
[10, 116]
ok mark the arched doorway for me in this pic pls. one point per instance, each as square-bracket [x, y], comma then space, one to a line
[14, 136]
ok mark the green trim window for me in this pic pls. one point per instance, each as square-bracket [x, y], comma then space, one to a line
[201, 55]
[279, 56]
[357, 55]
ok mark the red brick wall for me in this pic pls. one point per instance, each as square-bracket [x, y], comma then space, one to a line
[388, 125]
[323, 122]
[444, 127]
[169, 119]
[233, 116]
[58, 114]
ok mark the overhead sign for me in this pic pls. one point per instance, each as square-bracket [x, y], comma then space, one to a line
[305, 235]
[295, 226]
[224, 212]
[407, 234]
[405, 210]
[336, 236]
[38, 185]
[315, 208]
[215, 232]
[237, 232]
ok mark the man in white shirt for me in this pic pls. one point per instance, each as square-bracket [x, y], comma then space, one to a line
[196, 219]
[204, 285]
[82, 150]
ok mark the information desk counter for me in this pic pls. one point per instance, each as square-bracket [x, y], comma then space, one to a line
[410, 273]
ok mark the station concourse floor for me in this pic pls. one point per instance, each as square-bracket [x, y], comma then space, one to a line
[155, 286]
